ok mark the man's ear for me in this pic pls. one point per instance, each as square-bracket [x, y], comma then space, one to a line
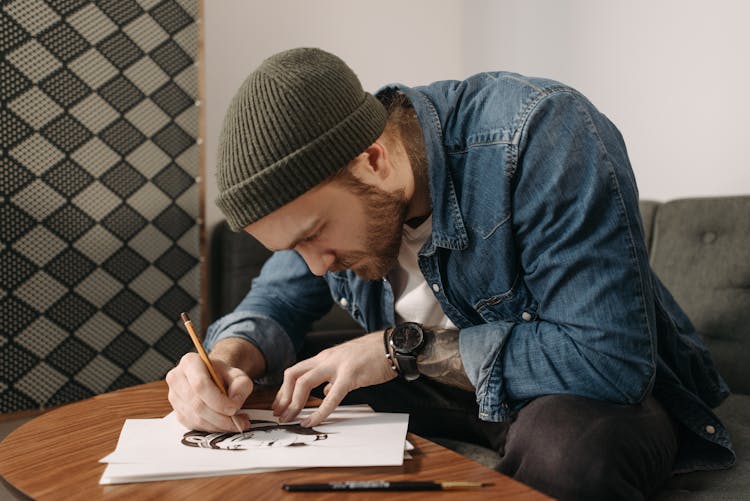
[375, 165]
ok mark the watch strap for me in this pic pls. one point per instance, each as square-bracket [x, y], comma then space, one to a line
[387, 346]
[406, 362]
[407, 366]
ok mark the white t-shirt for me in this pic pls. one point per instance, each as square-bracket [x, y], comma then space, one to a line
[414, 299]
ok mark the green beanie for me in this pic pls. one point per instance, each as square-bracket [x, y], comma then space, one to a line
[297, 119]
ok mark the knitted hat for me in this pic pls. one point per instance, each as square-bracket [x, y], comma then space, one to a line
[296, 120]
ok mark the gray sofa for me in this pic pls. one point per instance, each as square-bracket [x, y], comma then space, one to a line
[700, 248]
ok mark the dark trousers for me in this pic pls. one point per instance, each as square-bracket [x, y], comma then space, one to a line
[566, 446]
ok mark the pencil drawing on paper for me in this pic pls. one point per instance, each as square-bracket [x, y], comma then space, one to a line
[260, 434]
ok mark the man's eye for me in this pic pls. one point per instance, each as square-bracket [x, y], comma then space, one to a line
[311, 237]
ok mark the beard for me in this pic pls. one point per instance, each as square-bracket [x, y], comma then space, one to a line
[386, 213]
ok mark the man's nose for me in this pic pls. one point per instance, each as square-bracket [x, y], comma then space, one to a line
[318, 262]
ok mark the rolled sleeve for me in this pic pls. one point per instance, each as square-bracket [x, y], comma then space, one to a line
[481, 347]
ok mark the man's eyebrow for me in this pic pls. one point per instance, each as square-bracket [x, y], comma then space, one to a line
[302, 234]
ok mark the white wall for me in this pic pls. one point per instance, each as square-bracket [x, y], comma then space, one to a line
[411, 42]
[674, 76]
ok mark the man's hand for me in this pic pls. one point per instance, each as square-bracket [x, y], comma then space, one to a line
[198, 403]
[346, 367]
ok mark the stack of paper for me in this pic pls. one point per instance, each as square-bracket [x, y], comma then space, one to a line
[162, 449]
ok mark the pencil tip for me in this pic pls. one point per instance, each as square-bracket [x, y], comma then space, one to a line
[184, 316]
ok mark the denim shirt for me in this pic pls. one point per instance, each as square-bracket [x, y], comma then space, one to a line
[537, 254]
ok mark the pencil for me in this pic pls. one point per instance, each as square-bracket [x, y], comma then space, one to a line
[198, 346]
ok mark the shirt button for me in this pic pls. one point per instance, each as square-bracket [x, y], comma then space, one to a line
[526, 316]
[710, 429]
[343, 302]
[436, 287]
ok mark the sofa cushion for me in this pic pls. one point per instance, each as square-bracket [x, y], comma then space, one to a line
[700, 252]
[648, 212]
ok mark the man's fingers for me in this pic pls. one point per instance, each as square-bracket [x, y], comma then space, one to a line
[207, 418]
[304, 385]
[212, 422]
[242, 419]
[285, 393]
[347, 366]
[192, 411]
[203, 385]
[299, 381]
[336, 394]
[240, 386]
[198, 403]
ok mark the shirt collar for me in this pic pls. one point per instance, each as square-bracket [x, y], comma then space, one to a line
[448, 230]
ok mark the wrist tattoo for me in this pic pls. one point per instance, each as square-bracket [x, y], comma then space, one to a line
[440, 359]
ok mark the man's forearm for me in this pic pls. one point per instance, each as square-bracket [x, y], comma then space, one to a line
[237, 352]
[441, 360]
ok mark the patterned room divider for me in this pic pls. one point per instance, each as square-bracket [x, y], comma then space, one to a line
[99, 195]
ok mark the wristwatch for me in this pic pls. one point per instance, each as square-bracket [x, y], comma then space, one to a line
[407, 341]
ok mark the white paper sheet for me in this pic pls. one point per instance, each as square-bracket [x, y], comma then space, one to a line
[121, 473]
[152, 449]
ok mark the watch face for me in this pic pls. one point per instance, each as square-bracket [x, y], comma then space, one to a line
[406, 337]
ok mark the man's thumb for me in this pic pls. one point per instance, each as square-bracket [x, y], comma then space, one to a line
[240, 388]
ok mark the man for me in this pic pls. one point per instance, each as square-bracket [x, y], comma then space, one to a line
[486, 234]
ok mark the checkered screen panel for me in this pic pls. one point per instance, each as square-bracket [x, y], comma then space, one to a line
[99, 203]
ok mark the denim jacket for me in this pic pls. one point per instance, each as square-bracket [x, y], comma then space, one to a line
[537, 254]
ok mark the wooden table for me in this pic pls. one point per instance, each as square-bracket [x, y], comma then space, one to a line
[55, 456]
